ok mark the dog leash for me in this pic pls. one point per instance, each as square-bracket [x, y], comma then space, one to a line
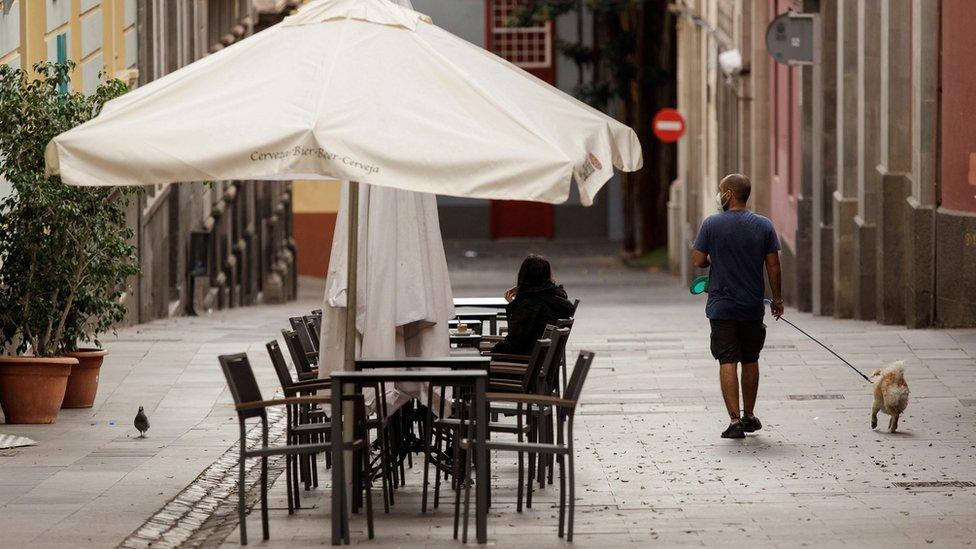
[831, 351]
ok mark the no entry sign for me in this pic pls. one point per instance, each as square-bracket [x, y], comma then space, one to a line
[668, 125]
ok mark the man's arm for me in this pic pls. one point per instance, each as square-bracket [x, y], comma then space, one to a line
[700, 259]
[775, 274]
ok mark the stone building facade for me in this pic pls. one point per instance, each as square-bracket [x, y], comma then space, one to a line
[875, 203]
[238, 232]
[201, 245]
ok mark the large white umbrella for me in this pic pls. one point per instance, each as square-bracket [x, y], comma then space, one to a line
[355, 90]
[404, 299]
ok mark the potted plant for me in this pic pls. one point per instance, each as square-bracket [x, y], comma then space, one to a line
[65, 255]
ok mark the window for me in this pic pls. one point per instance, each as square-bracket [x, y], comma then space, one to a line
[61, 43]
[528, 47]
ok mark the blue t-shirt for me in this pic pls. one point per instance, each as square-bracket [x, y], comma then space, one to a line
[737, 242]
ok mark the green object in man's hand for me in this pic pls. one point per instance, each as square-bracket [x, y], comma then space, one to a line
[699, 285]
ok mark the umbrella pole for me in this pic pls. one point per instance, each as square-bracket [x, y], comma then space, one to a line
[349, 362]
[352, 264]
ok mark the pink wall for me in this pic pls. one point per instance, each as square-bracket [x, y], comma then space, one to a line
[958, 106]
[784, 134]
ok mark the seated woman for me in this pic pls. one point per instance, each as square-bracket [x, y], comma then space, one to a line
[533, 303]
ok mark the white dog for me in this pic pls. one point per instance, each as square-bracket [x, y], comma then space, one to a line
[890, 393]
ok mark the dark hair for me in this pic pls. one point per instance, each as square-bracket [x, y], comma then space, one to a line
[739, 185]
[535, 270]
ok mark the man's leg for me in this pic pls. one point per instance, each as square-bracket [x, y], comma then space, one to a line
[730, 388]
[753, 337]
[750, 386]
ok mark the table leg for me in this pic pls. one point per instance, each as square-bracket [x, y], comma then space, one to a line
[481, 457]
[338, 465]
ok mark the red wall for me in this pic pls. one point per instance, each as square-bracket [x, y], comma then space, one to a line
[784, 135]
[958, 106]
[313, 238]
[515, 218]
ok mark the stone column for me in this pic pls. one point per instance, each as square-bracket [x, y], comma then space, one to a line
[823, 267]
[679, 242]
[845, 197]
[919, 254]
[868, 126]
[759, 122]
[802, 265]
[896, 151]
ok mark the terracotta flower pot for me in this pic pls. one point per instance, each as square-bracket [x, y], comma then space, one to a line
[32, 389]
[83, 382]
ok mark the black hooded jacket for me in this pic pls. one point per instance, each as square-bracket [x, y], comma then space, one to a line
[529, 313]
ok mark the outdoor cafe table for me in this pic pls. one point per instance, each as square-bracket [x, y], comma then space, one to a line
[466, 339]
[451, 371]
[487, 317]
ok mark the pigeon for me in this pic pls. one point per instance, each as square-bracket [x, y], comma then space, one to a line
[141, 423]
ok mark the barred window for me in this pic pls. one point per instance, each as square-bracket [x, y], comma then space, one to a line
[527, 47]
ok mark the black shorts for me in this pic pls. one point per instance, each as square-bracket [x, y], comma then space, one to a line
[736, 341]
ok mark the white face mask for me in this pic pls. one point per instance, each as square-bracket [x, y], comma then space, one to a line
[723, 204]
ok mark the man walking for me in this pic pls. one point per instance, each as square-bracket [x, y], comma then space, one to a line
[737, 244]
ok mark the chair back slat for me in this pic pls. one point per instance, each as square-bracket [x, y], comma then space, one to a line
[550, 368]
[300, 328]
[280, 366]
[298, 357]
[241, 382]
[314, 323]
[575, 306]
[576, 379]
[541, 353]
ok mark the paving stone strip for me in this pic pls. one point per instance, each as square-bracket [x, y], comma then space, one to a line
[204, 513]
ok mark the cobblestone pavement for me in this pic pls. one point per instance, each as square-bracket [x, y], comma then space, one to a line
[651, 466]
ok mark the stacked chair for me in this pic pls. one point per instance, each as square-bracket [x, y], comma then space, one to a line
[303, 343]
[561, 448]
[250, 404]
[306, 423]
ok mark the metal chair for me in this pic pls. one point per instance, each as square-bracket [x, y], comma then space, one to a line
[561, 448]
[539, 422]
[305, 424]
[518, 374]
[250, 404]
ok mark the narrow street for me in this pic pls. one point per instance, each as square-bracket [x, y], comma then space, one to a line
[650, 461]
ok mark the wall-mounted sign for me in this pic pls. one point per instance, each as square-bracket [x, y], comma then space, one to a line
[790, 38]
[668, 125]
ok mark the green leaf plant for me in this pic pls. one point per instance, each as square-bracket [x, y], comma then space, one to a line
[65, 252]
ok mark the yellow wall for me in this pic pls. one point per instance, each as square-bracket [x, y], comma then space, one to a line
[316, 197]
[100, 36]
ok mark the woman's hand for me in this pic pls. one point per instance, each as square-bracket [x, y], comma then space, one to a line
[510, 294]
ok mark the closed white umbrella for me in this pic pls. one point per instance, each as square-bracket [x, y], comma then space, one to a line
[355, 90]
[404, 298]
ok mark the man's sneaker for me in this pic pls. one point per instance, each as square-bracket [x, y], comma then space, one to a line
[751, 424]
[734, 431]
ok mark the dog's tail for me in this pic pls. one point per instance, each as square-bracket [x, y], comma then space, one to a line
[896, 395]
[897, 367]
